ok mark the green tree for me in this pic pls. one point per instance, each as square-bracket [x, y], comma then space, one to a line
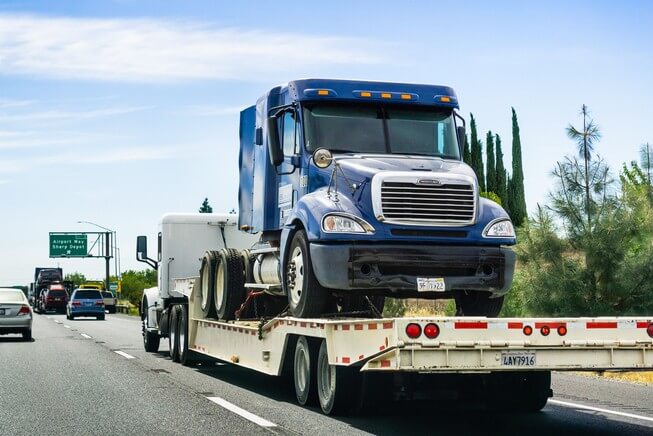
[502, 189]
[517, 202]
[206, 207]
[491, 172]
[477, 154]
[467, 153]
[646, 160]
[585, 140]
[134, 282]
[76, 278]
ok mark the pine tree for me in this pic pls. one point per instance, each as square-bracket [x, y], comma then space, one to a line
[502, 189]
[491, 171]
[517, 201]
[477, 155]
[206, 207]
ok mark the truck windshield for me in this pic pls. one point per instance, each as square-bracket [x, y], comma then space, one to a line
[362, 129]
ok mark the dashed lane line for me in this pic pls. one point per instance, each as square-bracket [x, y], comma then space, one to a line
[86, 336]
[125, 355]
[67, 326]
[598, 409]
[242, 412]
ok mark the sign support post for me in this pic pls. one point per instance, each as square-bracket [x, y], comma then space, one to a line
[107, 258]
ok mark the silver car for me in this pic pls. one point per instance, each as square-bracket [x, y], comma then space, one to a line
[15, 313]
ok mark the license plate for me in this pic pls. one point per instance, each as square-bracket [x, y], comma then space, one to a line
[88, 303]
[430, 284]
[518, 358]
[2, 311]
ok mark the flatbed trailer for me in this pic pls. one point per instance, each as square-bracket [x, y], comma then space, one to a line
[509, 359]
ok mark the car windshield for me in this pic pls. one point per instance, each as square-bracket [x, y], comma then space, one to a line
[107, 294]
[381, 129]
[87, 294]
[7, 296]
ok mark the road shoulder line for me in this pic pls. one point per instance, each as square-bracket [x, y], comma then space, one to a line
[598, 409]
[242, 412]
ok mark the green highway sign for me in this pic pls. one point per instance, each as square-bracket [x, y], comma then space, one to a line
[68, 245]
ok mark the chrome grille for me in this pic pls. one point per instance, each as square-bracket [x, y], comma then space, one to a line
[446, 203]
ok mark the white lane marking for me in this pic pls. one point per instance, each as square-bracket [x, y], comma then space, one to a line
[57, 321]
[242, 412]
[598, 409]
[48, 317]
[67, 326]
[86, 336]
[125, 355]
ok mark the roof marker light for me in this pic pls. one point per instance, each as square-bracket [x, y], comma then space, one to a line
[445, 99]
[323, 92]
[366, 94]
[386, 95]
[406, 96]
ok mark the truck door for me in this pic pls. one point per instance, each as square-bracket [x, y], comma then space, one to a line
[289, 180]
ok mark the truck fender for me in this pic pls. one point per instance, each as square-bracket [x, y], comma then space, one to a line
[149, 305]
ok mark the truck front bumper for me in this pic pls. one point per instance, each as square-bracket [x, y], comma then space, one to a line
[395, 268]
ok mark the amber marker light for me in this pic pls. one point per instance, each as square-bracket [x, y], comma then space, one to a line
[366, 94]
[386, 95]
[445, 99]
[323, 92]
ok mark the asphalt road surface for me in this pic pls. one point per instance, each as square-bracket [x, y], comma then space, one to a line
[93, 377]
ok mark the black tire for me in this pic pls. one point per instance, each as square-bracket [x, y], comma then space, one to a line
[173, 337]
[100, 317]
[67, 315]
[359, 303]
[478, 303]
[305, 371]
[207, 283]
[337, 386]
[151, 340]
[229, 291]
[186, 357]
[525, 392]
[306, 297]
[27, 335]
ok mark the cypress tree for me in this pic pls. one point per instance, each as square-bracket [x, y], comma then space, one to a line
[491, 171]
[502, 189]
[467, 154]
[477, 155]
[518, 200]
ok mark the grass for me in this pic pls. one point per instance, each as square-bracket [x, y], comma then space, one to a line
[133, 310]
[644, 377]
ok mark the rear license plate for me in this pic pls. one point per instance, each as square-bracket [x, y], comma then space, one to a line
[430, 284]
[518, 358]
[2, 311]
[88, 303]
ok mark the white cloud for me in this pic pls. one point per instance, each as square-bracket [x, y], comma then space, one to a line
[159, 50]
[10, 103]
[214, 110]
[61, 115]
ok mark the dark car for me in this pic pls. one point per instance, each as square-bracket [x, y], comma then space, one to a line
[85, 302]
[54, 298]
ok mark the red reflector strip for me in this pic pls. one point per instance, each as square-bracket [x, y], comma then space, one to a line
[471, 325]
[382, 347]
[515, 325]
[345, 326]
[553, 325]
[642, 324]
[385, 364]
[358, 326]
[387, 325]
[602, 325]
[302, 324]
[371, 326]
[361, 357]
[345, 360]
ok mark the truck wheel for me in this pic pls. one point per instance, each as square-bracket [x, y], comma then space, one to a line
[27, 335]
[229, 283]
[173, 337]
[478, 303]
[207, 283]
[151, 340]
[336, 385]
[186, 356]
[305, 371]
[306, 297]
[520, 391]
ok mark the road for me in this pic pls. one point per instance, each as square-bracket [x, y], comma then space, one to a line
[93, 377]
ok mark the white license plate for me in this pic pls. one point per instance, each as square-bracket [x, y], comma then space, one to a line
[518, 358]
[430, 284]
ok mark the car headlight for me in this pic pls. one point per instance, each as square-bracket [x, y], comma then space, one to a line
[501, 228]
[340, 223]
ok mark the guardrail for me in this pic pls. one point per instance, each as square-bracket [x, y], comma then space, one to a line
[122, 308]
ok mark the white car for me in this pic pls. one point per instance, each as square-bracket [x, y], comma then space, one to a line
[15, 313]
[110, 301]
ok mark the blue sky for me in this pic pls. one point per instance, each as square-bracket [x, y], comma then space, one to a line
[116, 112]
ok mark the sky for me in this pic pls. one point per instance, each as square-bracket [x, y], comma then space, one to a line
[116, 112]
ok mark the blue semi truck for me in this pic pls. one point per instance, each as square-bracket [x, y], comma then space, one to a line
[358, 191]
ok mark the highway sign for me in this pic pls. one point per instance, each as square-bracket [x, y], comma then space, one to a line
[68, 245]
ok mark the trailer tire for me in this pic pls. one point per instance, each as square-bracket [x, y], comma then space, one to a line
[478, 303]
[229, 283]
[305, 371]
[306, 297]
[336, 385]
[207, 283]
[525, 392]
[186, 357]
[173, 337]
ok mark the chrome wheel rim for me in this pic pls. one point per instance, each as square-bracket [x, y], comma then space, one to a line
[301, 369]
[205, 286]
[296, 276]
[219, 285]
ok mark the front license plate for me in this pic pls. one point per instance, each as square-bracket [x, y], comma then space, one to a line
[430, 284]
[518, 358]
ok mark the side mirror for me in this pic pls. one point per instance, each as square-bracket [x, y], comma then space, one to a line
[274, 144]
[258, 136]
[460, 130]
[141, 248]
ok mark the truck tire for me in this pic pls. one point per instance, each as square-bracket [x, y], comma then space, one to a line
[207, 283]
[151, 340]
[524, 392]
[359, 303]
[173, 337]
[305, 371]
[478, 303]
[27, 335]
[229, 283]
[306, 297]
[336, 385]
[186, 356]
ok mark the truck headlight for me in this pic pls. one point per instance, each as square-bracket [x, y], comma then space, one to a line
[340, 223]
[501, 228]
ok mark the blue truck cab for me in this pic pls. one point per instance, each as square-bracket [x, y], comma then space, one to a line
[359, 192]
